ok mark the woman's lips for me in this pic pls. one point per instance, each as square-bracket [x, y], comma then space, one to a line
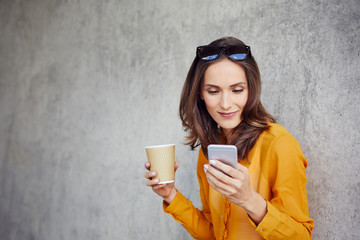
[229, 114]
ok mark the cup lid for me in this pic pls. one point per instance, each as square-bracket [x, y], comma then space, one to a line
[164, 145]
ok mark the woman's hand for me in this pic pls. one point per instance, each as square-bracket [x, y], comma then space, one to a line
[236, 188]
[166, 191]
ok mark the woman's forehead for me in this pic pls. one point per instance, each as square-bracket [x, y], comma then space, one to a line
[224, 72]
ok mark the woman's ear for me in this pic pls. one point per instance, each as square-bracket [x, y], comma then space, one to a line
[201, 96]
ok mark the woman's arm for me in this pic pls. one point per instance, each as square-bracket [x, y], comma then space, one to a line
[288, 212]
[183, 211]
[285, 215]
[197, 223]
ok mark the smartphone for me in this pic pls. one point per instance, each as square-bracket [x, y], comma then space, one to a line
[224, 153]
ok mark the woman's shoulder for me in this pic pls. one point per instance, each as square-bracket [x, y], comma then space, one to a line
[280, 142]
[277, 133]
[276, 130]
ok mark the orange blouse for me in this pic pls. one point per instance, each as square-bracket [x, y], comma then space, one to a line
[277, 172]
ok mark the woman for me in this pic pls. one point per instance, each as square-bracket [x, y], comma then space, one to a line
[265, 197]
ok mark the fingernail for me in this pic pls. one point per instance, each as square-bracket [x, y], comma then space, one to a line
[212, 162]
[156, 180]
[153, 174]
[206, 167]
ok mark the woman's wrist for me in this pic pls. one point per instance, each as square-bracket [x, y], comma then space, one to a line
[257, 208]
[171, 197]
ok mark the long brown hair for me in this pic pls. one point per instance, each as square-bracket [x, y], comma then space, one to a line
[201, 127]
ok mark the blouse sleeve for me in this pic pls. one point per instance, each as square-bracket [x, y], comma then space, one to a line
[197, 223]
[287, 211]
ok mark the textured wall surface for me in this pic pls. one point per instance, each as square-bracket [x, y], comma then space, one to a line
[85, 85]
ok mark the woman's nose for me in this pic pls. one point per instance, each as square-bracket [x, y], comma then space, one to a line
[225, 101]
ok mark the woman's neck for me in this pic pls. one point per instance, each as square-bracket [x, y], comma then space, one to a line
[229, 135]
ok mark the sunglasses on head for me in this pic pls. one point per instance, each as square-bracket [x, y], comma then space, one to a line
[234, 52]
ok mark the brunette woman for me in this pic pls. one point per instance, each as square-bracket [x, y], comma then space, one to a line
[265, 197]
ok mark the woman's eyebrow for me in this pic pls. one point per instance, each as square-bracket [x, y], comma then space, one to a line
[233, 85]
[239, 83]
[211, 85]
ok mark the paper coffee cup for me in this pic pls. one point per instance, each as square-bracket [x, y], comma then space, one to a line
[162, 160]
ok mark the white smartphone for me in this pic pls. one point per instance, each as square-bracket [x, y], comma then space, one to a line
[224, 153]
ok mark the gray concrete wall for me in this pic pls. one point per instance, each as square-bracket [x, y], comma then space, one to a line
[85, 85]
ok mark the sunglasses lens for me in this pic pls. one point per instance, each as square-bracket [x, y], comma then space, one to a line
[238, 56]
[208, 53]
[211, 57]
[237, 52]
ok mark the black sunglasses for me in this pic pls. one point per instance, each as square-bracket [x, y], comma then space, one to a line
[234, 52]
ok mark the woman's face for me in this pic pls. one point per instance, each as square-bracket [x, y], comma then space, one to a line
[225, 93]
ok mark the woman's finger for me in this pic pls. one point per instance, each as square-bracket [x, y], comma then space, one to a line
[217, 176]
[242, 168]
[176, 165]
[158, 186]
[216, 184]
[150, 175]
[216, 171]
[224, 167]
[221, 180]
[152, 182]
[147, 165]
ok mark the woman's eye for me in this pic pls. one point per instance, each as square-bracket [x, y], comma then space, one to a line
[212, 91]
[238, 90]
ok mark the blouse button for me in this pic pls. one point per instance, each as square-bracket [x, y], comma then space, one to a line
[261, 230]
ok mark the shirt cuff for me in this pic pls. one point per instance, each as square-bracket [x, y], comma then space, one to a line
[171, 208]
[269, 223]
